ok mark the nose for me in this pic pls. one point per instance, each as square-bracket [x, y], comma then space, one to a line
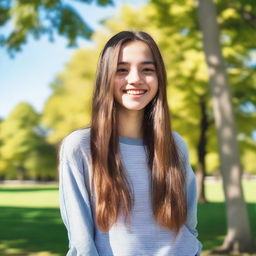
[134, 76]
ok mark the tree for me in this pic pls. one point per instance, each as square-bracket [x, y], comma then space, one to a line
[187, 77]
[239, 233]
[24, 152]
[39, 17]
[188, 97]
[69, 106]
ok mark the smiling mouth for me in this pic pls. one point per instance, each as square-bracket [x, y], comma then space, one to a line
[135, 91]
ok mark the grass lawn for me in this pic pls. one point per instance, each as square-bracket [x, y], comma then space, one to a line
[31, 225]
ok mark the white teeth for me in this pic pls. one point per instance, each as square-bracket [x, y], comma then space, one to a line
[135, 92]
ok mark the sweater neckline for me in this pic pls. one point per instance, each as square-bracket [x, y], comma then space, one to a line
[131, 141]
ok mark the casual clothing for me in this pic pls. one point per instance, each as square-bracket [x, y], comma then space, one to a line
[143, 237]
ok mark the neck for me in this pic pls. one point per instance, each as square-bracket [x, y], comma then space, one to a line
[130, 123]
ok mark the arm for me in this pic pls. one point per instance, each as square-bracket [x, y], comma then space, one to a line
[191, 188]
[74, 201]
[191, 191]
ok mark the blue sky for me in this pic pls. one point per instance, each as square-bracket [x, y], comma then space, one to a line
[28, 75]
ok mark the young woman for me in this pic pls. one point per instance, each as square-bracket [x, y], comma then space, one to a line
[126, 185]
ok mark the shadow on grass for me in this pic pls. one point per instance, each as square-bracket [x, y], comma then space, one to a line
[32, 230]
[212, 223]
[38, 230]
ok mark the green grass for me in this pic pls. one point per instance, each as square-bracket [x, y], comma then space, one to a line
[214, 191]
[29, 196]
[212, 215]
[30, 231]
[30, 222]
[31, 225]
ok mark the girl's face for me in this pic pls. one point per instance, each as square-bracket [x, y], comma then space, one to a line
[135, 81]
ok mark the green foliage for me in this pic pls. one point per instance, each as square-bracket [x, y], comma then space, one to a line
[4, 11]
[187, 72]
[174, 26]
[69, 106]
[41, 17]
[24, 152]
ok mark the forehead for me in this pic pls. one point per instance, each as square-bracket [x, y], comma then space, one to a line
[135, 51]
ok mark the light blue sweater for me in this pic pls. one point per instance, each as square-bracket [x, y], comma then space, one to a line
[143, 237]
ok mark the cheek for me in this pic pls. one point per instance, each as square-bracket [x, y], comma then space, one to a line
[151, 79]
[118, 82]
[117, 88]
[153, 82]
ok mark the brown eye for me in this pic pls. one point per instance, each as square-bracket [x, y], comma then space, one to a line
[121, 70]
[148, 70]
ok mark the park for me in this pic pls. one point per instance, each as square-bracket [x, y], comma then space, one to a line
[209, 52]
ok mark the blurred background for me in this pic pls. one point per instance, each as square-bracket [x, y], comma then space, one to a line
[48, 55]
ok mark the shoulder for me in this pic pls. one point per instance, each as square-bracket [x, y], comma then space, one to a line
[75, 142]
[178, 139]
[181, 144]
[184, 157]
[77, 137]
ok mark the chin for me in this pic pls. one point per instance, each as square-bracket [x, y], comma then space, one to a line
[133, 108]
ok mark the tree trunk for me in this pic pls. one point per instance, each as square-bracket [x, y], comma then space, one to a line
[201, 153]
[238, 236]
[21, 173]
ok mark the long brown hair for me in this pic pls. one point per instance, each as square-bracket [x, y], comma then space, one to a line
[111, 187]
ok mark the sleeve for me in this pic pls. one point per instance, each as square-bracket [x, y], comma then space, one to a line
[75, 205]
[191, 190]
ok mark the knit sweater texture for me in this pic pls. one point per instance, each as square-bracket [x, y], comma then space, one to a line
[143, 236]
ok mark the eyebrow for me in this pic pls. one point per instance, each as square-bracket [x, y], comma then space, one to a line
[144, 62]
